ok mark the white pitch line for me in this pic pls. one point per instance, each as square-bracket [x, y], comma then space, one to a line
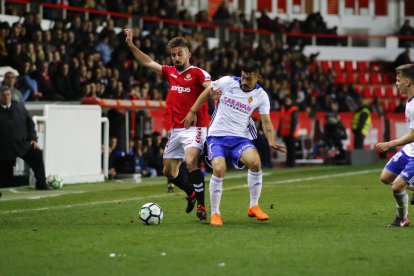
[287, 181]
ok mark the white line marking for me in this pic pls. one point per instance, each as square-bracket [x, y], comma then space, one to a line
[287, 181]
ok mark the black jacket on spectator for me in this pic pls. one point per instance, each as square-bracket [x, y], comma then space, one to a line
[45, 86]
[16, 131]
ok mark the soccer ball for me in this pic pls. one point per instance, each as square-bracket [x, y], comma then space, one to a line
[54, 181]
[151, 213]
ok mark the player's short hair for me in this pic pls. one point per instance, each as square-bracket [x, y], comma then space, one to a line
[178, 42]
[250, 65]
[406, 70]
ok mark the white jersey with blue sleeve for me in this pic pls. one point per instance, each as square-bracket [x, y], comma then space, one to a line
[409, 118]
[232, 116]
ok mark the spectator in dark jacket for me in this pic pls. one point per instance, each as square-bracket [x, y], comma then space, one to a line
[18, 139]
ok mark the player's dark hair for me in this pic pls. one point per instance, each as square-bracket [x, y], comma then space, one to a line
[406, 70]
[178, 42]
[250, 65]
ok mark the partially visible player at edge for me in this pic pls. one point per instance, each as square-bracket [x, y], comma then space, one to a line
[186, 84]
[229, 133]
[399, 171]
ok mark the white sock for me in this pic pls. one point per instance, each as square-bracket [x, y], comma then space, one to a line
[402, 204]
[254, 181]
[216, 189]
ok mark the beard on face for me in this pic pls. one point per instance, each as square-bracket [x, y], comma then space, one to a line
[245, 88]
[179, 66]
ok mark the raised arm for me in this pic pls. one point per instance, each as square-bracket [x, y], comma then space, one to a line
[142, 58]
[191, 117]
[270, 133]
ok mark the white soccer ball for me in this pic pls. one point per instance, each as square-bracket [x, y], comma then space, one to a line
[54, 181]
[151, 213]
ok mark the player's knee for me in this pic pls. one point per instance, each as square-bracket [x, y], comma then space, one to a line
[387, 178]
[191, 162]
[192, 166]
[397, 188]
[255, 166]
[219, 171]
[167, 172]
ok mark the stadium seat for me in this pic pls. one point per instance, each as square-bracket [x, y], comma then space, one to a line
[391, 105]
[337, 65]
[325, 66]
[350, 66]
[367, 92]
[375, 78]
[390, 92]
[362, 66]
[388, 78]
[362, 78]
[350, 78]
[340, 78]
[378, 92]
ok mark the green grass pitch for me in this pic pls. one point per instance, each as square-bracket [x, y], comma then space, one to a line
[328, 220]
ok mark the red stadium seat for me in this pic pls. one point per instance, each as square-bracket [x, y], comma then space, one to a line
[325, 66]
[350, 66]
[362, 66]
[362, 78]
[337, 65]
[391, 105]
[390, 92]
[375, 78]
[350, 78]
[388, 78]
[340, 78]
[367, 92]
[378, 92]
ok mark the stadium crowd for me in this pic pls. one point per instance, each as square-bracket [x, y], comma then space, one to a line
[89, 58]
[73, 60]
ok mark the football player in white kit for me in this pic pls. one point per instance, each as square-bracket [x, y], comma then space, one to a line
[229, 133]
[399, 171]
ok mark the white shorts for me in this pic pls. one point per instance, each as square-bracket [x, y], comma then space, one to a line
[181, 139]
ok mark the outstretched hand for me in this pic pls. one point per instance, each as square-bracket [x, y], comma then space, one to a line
[190, 119]
[278, 147]
[128, 36]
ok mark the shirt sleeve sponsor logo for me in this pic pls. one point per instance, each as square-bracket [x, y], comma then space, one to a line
[180, 89]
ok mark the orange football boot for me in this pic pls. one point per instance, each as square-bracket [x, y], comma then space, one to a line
[255, 211]
[216, 220]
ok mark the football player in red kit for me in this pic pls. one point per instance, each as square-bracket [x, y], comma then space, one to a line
[186, 84]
